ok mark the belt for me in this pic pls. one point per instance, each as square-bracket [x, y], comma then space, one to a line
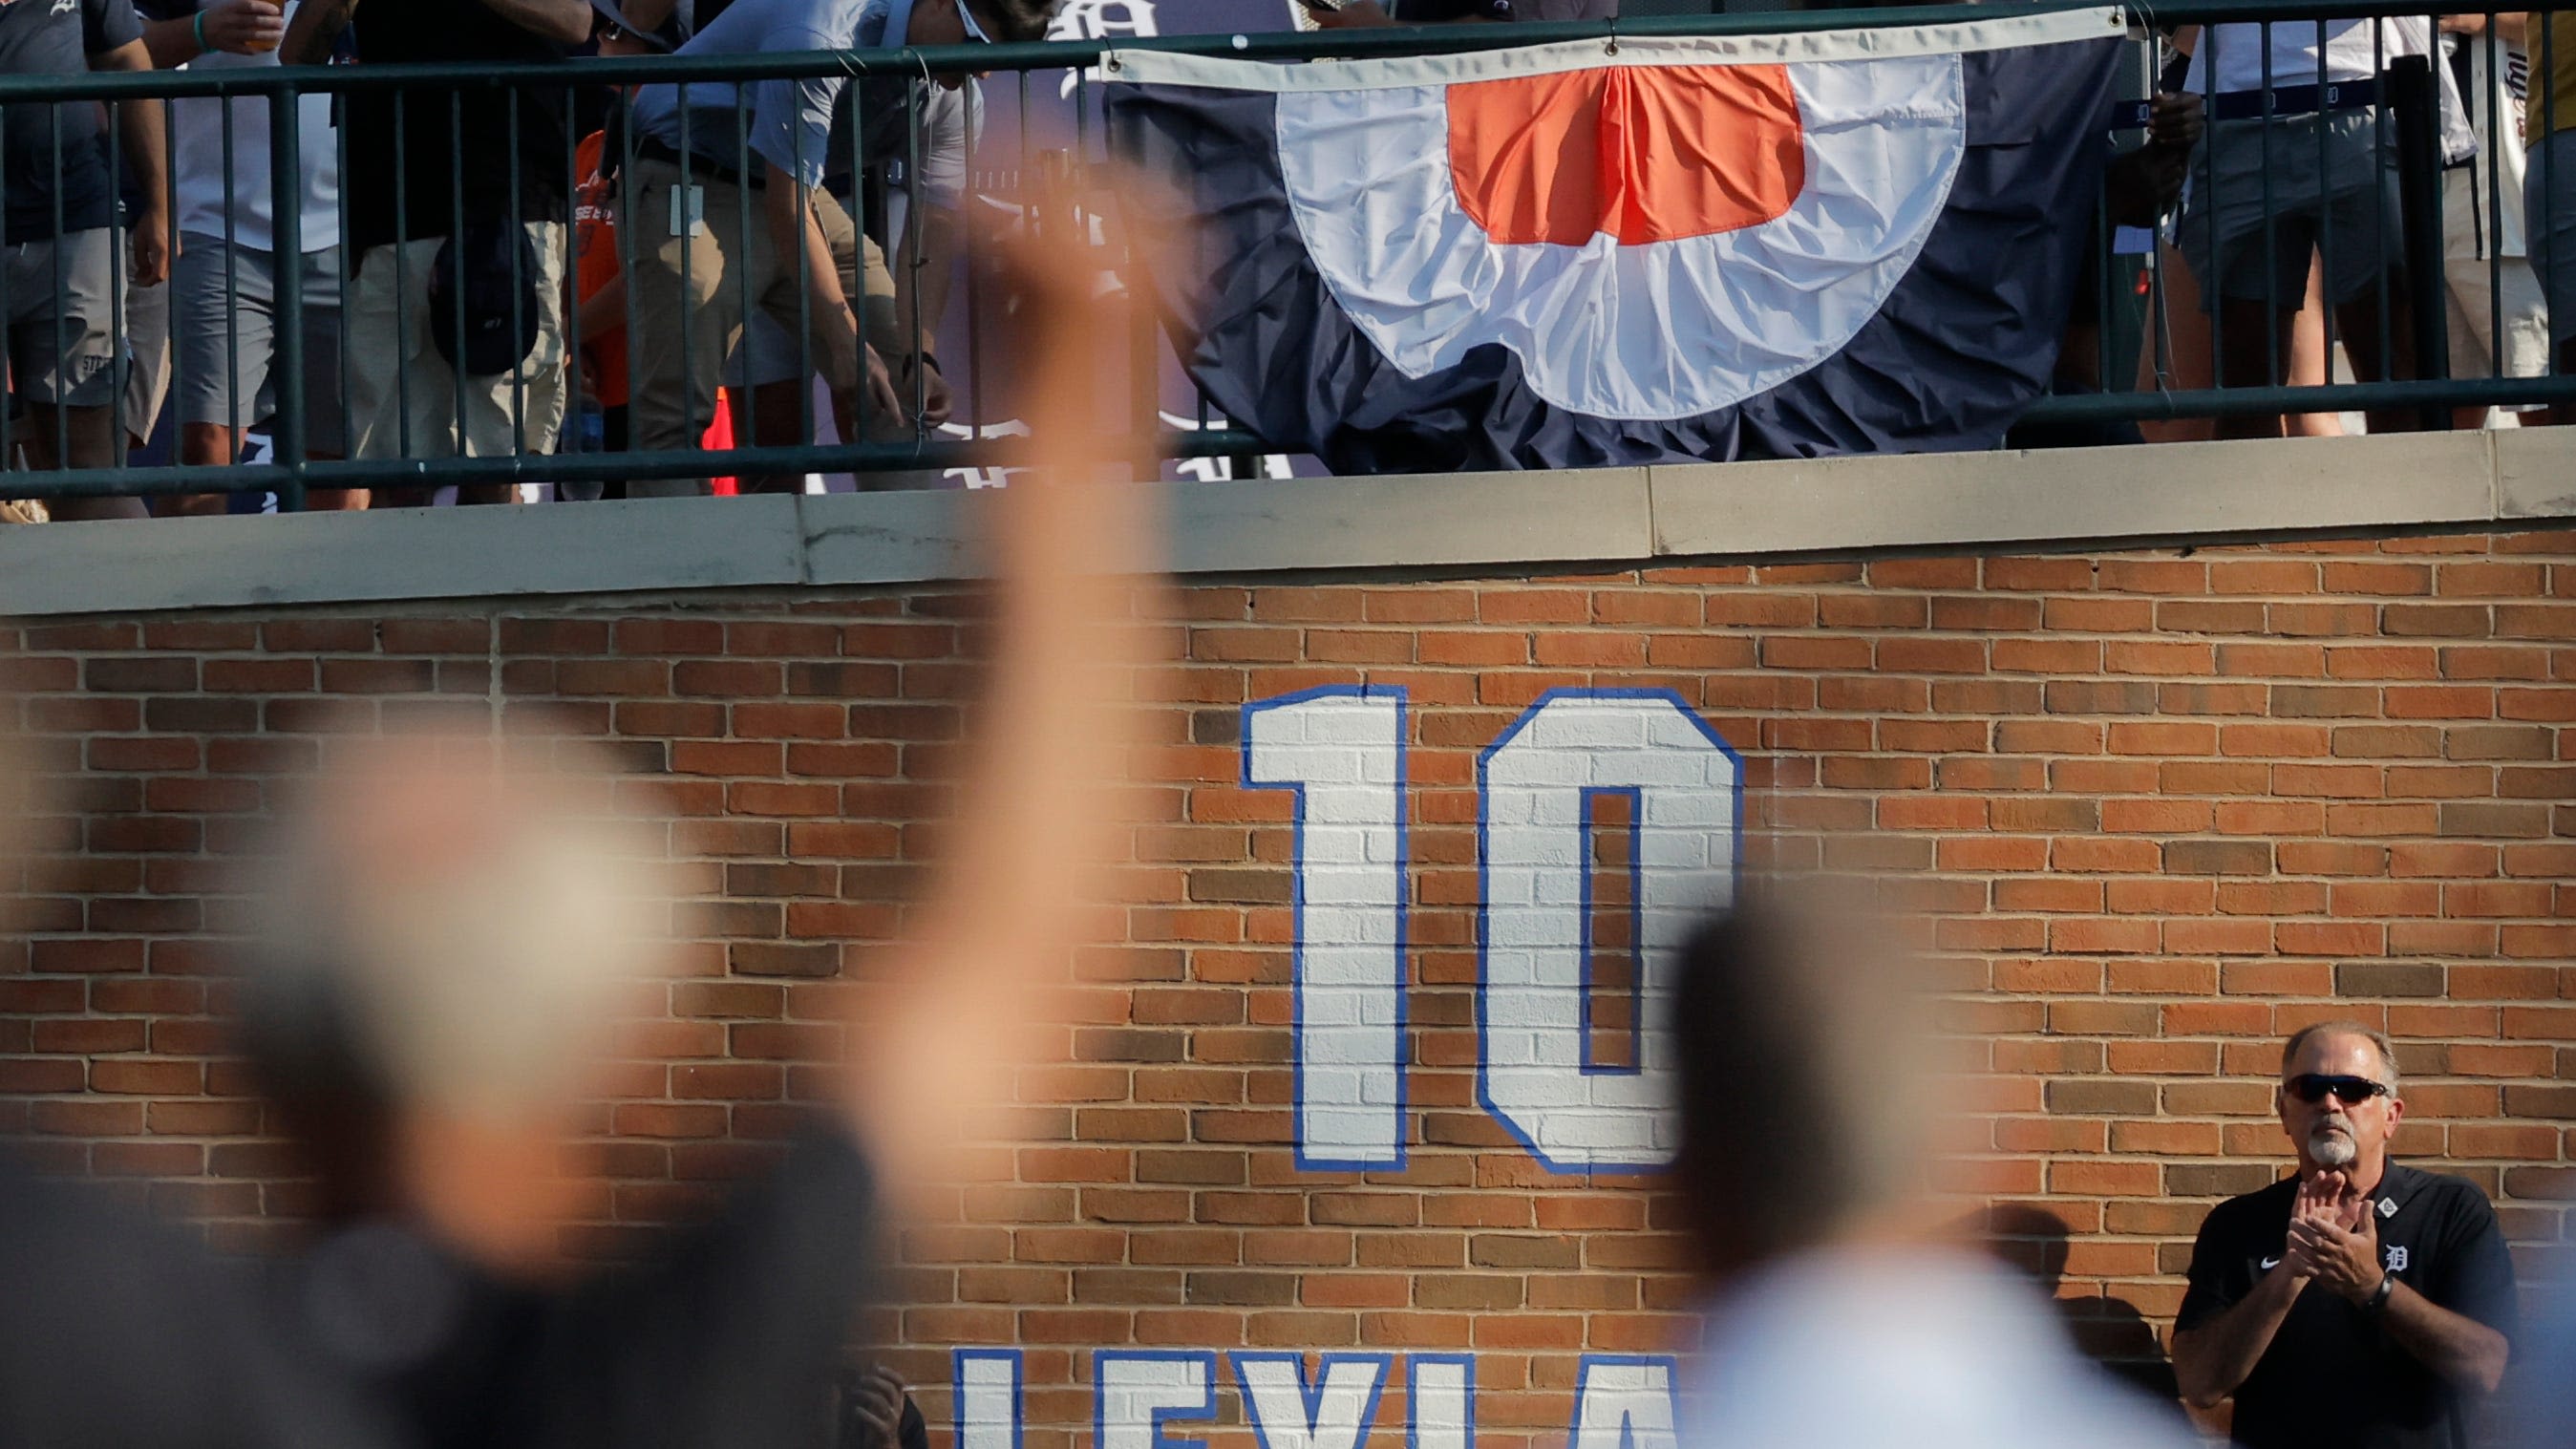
[695, 166]
[2302, 100]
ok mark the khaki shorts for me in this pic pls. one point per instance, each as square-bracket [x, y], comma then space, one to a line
[62, 354]
[2476, 302]
[770, 351]
[403, 391]
[693, 289]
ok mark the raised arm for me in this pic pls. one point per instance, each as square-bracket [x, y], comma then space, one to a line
[1038, 821]
[147, 154]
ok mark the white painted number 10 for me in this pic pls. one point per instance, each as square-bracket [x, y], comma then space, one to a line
[1631, 775]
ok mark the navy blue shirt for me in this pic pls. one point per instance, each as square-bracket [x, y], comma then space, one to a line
[2436, 1234]
[57, 37]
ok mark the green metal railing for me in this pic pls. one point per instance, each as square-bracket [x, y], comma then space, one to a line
[293, 472]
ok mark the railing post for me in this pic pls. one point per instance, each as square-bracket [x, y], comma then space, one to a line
[2419, 190]
[286, 244]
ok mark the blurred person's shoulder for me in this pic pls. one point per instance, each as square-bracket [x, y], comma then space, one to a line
[1928, 1348]
[117, 1328]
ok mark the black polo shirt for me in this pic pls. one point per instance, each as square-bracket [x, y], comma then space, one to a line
[2332, 1360]
[456, 142]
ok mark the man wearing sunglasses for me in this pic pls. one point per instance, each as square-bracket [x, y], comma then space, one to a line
[2360, 1301]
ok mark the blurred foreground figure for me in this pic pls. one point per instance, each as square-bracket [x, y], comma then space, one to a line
[450, 924]
[1845, 1307]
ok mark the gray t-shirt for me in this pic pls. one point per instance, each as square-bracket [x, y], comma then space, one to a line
[789, 121]
[57, 39]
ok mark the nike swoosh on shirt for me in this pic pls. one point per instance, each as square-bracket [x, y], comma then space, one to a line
[2270, 1263]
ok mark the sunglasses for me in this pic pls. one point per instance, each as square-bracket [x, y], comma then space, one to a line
[2313, 1087]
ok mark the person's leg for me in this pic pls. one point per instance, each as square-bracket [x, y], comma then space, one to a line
[2549, 224]
[2311, 360]
[319, 275]
[2373, 301]
[762, 390]
[223, 316]
[2253, 334]
[2250, 263]
[521, 412]
[686, 317]
[401, 392]
[2469, 296]
[71, 391]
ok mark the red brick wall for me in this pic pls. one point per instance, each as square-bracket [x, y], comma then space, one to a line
[2164, 808]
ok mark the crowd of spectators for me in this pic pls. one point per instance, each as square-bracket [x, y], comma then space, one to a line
[595, 268]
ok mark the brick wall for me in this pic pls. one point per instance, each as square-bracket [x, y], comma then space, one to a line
[2163, 808]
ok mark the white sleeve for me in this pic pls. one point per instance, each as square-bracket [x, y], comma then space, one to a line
[953, 121]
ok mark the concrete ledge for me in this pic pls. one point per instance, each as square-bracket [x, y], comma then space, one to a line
[2175, 493]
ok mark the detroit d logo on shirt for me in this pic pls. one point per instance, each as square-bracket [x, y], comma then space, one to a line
[2397, 1260]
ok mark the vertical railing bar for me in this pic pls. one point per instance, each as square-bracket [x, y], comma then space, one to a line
[805, 287]
[232, 287]
[402, 272]
[120, 371]
[684, 219]
[908, 256]
[746, 428]
[2273, 373]
[624, 200]
[2325, 213]
[2486, 161]
[2380, 120]
[518, 281]
[286, 254]
[2216, 300]
[860, 403]
[340, 274]
[62, 294]
[456, 278]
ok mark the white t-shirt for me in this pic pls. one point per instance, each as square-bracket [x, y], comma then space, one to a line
[2287, 51]
[197, 159]
[1862, 1349]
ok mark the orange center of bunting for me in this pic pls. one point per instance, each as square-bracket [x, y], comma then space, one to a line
[1644, 153]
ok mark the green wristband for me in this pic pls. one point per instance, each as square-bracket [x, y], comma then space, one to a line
[199, 30]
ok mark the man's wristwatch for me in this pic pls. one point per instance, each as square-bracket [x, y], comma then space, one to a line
[2378, 1298]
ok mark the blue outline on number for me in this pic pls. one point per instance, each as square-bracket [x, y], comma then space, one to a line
[1297, 916]
[1311, 1396]
[957, 1360]
[1583, 1380]
[1485, 894]
[1204, 1409]
[1413, 1398]
[1636, 930]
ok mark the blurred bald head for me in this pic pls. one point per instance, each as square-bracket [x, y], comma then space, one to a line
[1810, 1095]
[439, 939]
